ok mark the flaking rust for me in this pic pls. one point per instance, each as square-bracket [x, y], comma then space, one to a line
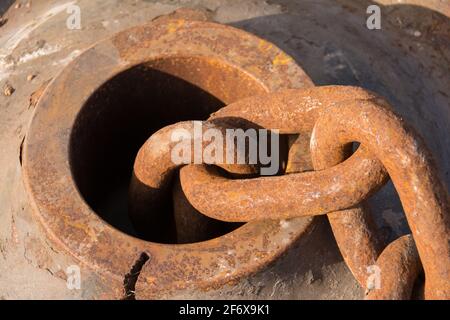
[197, 52]
[186, 46]
[337, 117]
[424, 197]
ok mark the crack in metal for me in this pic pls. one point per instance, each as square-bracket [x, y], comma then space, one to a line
[130, 279]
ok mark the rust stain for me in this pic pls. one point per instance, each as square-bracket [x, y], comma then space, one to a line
[196, 50]
[36, 95]
[281, 59]
[173, 26]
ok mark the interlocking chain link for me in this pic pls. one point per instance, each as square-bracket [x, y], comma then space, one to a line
[411, 169]
[334, 116]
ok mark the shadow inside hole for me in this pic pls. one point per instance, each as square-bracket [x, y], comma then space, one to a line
[122, 114]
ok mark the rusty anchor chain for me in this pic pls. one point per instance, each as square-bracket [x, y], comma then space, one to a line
[154, 169]
[411, 169]
[363, 247]
[334, 116]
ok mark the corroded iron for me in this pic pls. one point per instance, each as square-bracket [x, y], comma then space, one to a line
[297, 194]
[399, 266]
[425, 200]
[290, 195]
[227, 63]
[341, 119]
[154, 165]
[189, 51]
[154, 169]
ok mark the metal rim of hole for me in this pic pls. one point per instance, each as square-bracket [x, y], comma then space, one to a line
[75, 227]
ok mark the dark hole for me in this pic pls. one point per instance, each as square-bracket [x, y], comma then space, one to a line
[120, 115]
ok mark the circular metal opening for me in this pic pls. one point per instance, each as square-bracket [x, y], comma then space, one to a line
[121, 114]
[94, 100]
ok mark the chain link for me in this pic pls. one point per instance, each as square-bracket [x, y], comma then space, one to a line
[334, 116]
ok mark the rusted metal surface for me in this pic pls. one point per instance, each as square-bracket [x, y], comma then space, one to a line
[399, 266]
[412, 170]
[291, 195]
[296, 194]
[358, 240]
[154, 169]
[187, 50]
[388, 63]
[191, 225]
[354, 116]
[299, 158]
